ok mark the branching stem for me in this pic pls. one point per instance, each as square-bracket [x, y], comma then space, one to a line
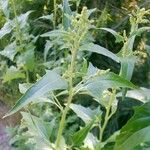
[108, 115]
[70, 98]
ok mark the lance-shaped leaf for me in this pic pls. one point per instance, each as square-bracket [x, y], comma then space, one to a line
[4, 6]
[48, 17]
[100, 50]
[127, 67]
[137, 131]
[48, 46]
[111, 79]
[142, 94]
[140, 31]
[10, 24]
[147, 47]
[54, 33]
[92, 142]
[118, 37]
[97, 85]
[27, 58]
[91, 70]
[50, 81]
[86, 114]
[127, 62]
[37, 126]
[6, 29]
[9, 51]
[41, 131]
[24, 87]
[23, 18]
[80, 135]
[66, 13]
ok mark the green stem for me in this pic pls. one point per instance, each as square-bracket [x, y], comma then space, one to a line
[108, 115]
[27, 76]
[128, 47]
[57, 103]
[19, 36]
[70, 98]
[55, 13]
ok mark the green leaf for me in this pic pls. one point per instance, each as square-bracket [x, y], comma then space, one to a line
[44, 98]
[127, 67]
[86, 114]
[44, 129]
[91, 70]
[142, 94]
[10, 24]
[48, 17]
[48, 46]
[6, 29]
[143, 146]
[12, 73]
[40, 130]
[66, 12]
[54, 33]
[49, 82]
[84, 67]
[24, 87]
[127, 62]
[91, 11]
[4, 7]
[27, 60]
[82, 72]
[147, 47]
[118, 37]
[136, 131]
[80, 135]
[111, 79]
[100, 50]
[9, 51]
[139, 31]
[96, 85]
[91, 142]
[113, 137]
[22, 19]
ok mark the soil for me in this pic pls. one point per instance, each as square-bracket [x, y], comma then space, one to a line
[9, 121]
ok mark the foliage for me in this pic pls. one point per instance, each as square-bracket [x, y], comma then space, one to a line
[21, 49]
[128, 136]
[57, 114]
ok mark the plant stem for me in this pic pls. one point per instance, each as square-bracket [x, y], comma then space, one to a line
[27, 76]
[57, 103]
[55, 13]
[108, 115]
[130, 42]
[19, 34]
[70, 98]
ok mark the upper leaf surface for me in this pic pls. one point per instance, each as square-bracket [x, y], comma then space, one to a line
[136, 131]
[6, 29]
[66, 11]
[9, 51]
[50, 81]
[80, 136]
[97, 85]
[118, 37]
[100, 50]
[139, 31]
[86, 114]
